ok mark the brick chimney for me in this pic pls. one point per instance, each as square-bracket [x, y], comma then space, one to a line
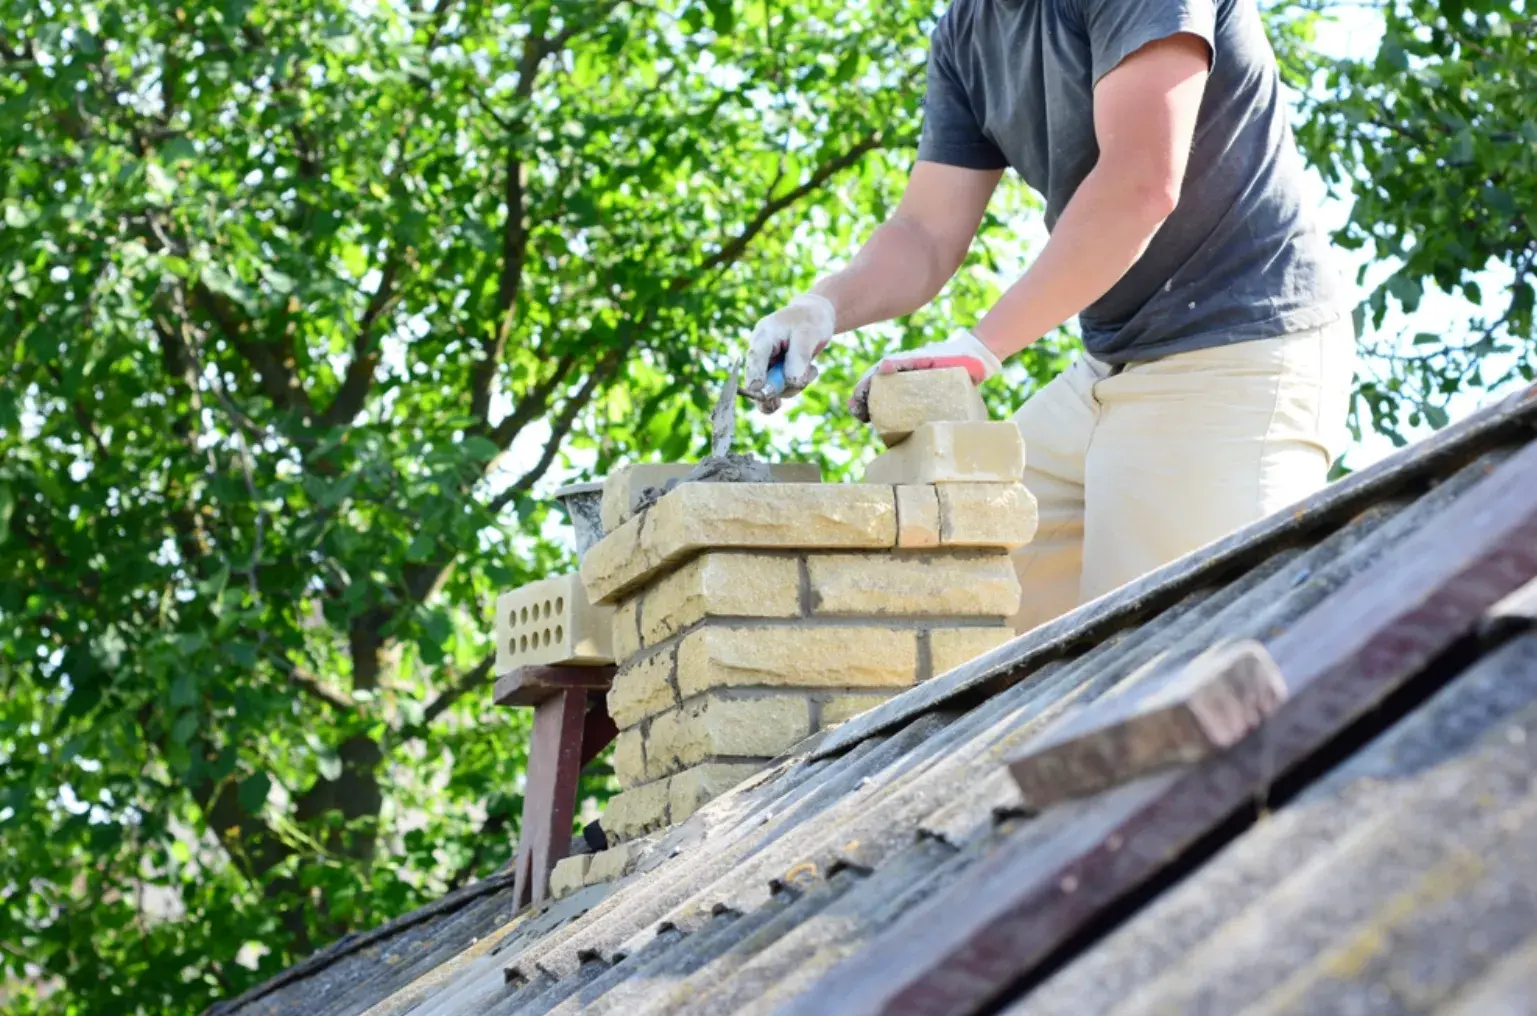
[749, 616]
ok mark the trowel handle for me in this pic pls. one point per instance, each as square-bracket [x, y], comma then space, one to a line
[775, 378]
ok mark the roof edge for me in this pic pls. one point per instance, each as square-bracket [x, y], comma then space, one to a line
[1160, 589]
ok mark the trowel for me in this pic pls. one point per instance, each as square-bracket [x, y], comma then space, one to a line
[723, 418]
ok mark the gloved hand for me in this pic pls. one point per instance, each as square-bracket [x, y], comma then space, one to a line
[796, 334]
[961, 349]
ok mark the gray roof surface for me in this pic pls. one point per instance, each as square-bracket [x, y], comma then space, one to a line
[1397, 872]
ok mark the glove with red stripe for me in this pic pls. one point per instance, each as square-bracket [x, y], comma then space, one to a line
[961, 349]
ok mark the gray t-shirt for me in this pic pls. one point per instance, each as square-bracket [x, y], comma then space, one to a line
[1011, 83]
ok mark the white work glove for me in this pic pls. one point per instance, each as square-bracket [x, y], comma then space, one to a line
[795, 334]
[961, 349]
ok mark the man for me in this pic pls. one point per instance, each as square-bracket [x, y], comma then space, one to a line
[1215, 384]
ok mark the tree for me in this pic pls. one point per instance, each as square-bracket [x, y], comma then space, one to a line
[307, 304]
[1435, 139]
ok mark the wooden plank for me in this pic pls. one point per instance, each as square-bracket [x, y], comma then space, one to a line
[1207, 706]
[962, 949]
[1441, 452]
[529, 686]
[549, 796]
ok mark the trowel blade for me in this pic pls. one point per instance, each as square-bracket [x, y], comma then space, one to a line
[723, 419]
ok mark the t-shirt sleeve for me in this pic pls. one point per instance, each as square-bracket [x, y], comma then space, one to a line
[1118, 28]
[951, 133]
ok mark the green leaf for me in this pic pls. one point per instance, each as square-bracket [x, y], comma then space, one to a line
[253, 792]
[183, 692]
[421, 547]
[480, 449]
[185, 726]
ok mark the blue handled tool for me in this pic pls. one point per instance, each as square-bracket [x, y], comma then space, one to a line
[723, 419]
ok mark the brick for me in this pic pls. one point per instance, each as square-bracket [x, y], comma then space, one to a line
[626, 630]
[917, 517]
[715, 726]
[921, 585]
[1214, 702]
[998, 515]
[739, 516]
[953, 453]
[842, 707]
[951, 647]
[693, 788]
[623, 490]
[719, 656]
[569, 875]
[614, 863]
[643, 688]
[633, 813]
[630, 757]
[721, 585]
[901, 403]
[549, 623]
[610, 564]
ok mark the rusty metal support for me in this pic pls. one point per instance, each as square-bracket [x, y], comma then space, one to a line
[571, 726]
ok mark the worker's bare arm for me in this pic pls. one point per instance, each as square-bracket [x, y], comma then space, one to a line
[910, 257]
[1144, 115]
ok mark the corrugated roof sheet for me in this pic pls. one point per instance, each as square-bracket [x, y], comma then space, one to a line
[1396, 874]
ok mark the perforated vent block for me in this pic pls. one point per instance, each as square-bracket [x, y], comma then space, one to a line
[550, 622]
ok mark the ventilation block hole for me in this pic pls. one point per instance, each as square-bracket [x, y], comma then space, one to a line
[560, 633]
[560, 604]
[525, 615]
[523, 643]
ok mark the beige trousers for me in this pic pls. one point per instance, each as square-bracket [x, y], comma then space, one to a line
[1134, 468]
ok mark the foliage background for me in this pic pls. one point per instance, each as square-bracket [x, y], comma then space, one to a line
[307, 304]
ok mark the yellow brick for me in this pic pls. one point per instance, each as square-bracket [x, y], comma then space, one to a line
[718, 656]
[642, 689]
[623, 490]
[626, 633]
[739, 516]
[842, 707]
[900, 403]
[951, 647]
[953, 453]
[550, 623]
[965, 584]
[917, 518]
[613, 863]
[569, 875]
[692, 788]
[630, 757]
[1000, 515]
[713, 726]
[721, 585]
[612, 563]
[636, 812]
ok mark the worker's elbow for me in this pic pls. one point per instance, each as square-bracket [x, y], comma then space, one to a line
[1145, 191]
[1153, 195]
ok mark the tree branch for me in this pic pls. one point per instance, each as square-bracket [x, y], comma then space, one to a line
[349, 398]
[772, 206]
[468, 681]
[531, 405]
[279, 381]
[515, 234]
[561, 426]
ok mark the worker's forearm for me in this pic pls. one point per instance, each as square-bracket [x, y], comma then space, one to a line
[896, 272]
[1102, 232]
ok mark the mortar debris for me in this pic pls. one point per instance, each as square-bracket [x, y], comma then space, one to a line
[729, 468]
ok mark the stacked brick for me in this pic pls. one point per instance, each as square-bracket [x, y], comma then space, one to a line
[749, 616]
